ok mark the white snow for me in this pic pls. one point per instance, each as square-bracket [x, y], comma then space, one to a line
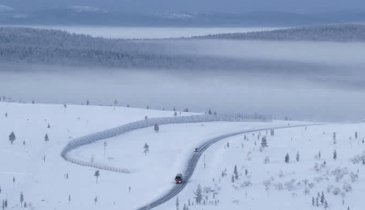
[45, 187]
[309, 143]
[40, 180]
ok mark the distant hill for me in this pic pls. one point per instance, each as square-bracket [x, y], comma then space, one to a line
[333, 32]
[55, 47]
[85, 15]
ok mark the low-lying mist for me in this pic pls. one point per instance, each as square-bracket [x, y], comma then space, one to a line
[302, 80]
[224, 91]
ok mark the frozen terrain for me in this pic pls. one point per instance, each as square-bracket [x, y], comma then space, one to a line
[282, 185]
[39, 171]
[42, 181]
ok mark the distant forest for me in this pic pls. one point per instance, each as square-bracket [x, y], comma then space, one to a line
[332, 32]
[56, 47]
[46, 46]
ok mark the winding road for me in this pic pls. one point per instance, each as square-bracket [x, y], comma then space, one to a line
[194, 160]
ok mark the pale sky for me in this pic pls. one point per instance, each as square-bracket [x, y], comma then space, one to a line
[297, 6]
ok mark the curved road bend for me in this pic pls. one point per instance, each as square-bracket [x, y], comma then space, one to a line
[194, 160]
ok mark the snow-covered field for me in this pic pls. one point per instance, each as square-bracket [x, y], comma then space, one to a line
[289, 190]
[149, 32]
[42, 182]
[45, 185]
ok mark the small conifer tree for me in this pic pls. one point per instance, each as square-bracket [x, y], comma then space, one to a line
[287, 158]
[156, 127]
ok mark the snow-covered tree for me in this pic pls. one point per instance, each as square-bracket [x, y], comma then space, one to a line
[287, 158]
[297, 156]
[317, 201]
[334, 137]
[322, 198]
[335, 155]
[264, 142]
[97, 174]
[12, 137]
[146, 148]
[156, 127]
[46, 139]
[96, 200]
[21, 199]
[198, 194]
[235, 172]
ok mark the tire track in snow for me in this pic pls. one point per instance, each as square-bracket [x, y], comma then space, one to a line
[193, 161]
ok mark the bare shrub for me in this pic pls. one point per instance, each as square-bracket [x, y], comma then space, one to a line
[207, 190]
[281, 174]
[354, 177]
[246, 184]
[266, 160]
[279, 186]
[266, 183]
[311, 185]
[318, 179]
[290, 185]
[306, 191]
[347, 187]
[236, 201]
[305, 181]
[336, 191]
[330, 188]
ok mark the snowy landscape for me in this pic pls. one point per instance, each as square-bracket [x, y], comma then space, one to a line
[324, 158]
[256, 105]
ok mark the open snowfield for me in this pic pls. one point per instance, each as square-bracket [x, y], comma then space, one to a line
[45, 186]
[42, 181]
[150, 32]
[288, 191]
[169, 149]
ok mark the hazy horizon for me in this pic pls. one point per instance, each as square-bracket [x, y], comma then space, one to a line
[230, 6]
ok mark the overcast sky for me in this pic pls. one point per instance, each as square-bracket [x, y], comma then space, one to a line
[298, 6]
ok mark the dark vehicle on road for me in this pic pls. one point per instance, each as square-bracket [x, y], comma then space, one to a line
[178, 179]
[196, 150]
